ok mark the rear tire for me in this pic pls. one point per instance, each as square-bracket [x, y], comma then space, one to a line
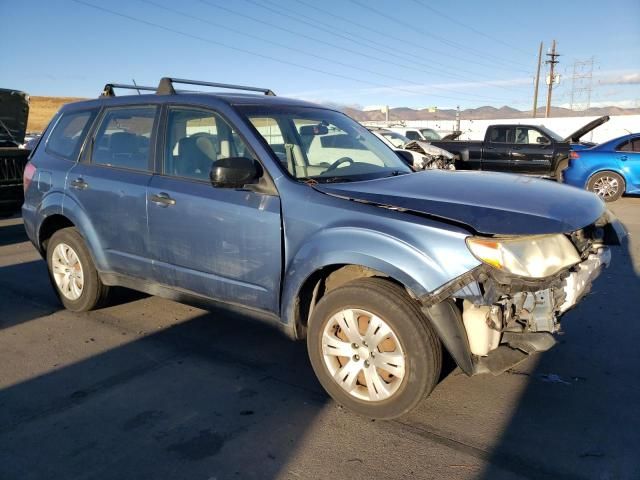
[372, 348]
[72, 272]
[609, 186]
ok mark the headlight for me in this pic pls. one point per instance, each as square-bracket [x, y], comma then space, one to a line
[536, 256]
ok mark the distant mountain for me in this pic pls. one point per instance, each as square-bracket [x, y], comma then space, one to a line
[482, 113]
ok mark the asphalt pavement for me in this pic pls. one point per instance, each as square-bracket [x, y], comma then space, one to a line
[153, 389]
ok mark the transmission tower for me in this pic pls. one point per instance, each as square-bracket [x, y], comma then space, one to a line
[581, 84]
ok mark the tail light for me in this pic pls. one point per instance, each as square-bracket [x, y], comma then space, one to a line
[574, 155]
[29, 173]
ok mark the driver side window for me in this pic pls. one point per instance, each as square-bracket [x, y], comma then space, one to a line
[197, 138]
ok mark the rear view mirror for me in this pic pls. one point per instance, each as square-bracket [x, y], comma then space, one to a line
[234, 172]
[310, 130]
[543, 140]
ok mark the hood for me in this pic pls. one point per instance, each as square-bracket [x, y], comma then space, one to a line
[488, 203]
[14, 111]
[426, 148]
[452, 136]
[582, 131]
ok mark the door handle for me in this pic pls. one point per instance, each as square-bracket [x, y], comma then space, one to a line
[79, 184]
[623, 158]
[162, 199]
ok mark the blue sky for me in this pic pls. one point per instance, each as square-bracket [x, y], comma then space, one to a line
[414, 53]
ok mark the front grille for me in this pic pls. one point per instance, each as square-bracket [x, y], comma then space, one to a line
[12, 165]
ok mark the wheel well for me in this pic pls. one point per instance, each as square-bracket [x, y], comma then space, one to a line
[50, 226]
[322, 281]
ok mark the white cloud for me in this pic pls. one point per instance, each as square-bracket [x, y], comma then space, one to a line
[628, 79]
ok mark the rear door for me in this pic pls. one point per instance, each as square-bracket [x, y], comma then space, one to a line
[110, 186]
[222, 243]
[531, 152]
[496, 155]
[628, 158]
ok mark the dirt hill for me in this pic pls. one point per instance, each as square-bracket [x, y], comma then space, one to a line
[41, 109]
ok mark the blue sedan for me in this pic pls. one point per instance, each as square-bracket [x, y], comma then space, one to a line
[609, 169]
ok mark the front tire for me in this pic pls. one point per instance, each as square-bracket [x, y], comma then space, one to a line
[72, 272]
[372, 348]
[609, 186]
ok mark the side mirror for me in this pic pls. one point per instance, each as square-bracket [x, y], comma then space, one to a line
[234, 172]
[405, 156]
[543, 140]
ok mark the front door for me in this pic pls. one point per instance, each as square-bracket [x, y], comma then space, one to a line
[110, 185]
[531, 152]
[221, 243]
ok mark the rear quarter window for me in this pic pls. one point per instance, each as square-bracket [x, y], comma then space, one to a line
[68, 132]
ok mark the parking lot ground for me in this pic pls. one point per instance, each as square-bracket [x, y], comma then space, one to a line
[150, 388]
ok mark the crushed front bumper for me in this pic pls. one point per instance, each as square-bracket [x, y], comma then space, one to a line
[503, 318]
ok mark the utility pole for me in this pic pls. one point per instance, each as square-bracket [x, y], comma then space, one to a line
[537, 82]
[552, 62]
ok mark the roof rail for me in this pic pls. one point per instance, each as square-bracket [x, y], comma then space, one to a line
[108, 89]
[165, 87]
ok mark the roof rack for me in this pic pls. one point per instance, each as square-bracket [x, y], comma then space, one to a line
[165, 87]
[108, 89]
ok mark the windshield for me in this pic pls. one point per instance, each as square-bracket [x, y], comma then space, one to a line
[551, 134]
[394, 138]
[430, 134]
[323, 145]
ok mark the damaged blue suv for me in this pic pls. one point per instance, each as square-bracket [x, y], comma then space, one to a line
[295, 214]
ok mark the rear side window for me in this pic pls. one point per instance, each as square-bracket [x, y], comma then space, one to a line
[625, 146]
[501, 135]
[123, 139]
[636, 144]
[68, 132]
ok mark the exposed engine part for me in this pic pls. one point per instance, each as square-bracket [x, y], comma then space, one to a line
[578, 283]
[494, 313]
[478, 322]
[432, 157]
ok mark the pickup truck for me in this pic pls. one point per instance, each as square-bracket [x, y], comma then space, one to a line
[525, 149]
[14, 110]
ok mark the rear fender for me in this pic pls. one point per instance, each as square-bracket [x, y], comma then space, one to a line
[76, 214]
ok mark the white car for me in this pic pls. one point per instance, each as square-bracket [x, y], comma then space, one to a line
[414, 133]
[423, 156]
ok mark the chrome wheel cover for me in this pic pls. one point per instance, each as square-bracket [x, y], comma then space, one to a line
[606, 187]
[363, 355]
[67, 271]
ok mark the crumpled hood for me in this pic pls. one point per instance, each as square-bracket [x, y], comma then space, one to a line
[14, 110]
[489, 203]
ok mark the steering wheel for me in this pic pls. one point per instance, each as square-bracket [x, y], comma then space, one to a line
[337, 163]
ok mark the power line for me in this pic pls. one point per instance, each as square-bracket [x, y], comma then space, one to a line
[413, 58]
[582, 84]
[242, 50]
[437, 37]
[304, 52]
[473, 29]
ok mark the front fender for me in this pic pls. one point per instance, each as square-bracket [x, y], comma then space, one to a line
[419, 270]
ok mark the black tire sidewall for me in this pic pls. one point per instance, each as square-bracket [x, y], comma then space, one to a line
[92, 289]
[419, 343]
[621, 184]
